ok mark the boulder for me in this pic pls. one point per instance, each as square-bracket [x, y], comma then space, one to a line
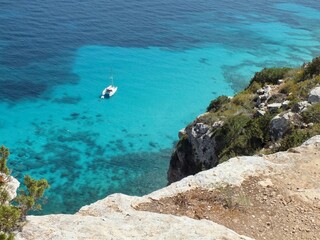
[263, 95]
[265, 90]
[285, 104]
[261, 99]
[273, 107]
[277, 98]
[260, 91]
[217, 124]
[280, 124]
[314, 96]
[262, 105]
[260, 113]
[300, 106]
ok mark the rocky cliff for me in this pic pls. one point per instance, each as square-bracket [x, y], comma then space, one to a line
[278, 110]
[281, 202]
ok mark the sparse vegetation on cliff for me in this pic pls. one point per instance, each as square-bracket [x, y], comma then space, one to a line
[13, 211]
[278, 110]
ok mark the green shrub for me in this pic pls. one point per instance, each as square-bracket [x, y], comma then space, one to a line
[269, 75]
[229, 133]
[231, 128]
[9, 217]
[299, 91]
[242, 135]
[28, 200]
[293, 139]
[4, 153]
[312, 69]
[244, 100]
[296, 137]
[217, 103]
[288, 87]
[253, 87]
[312, 114]
[209, 118]
[12, 215]
[4, 236]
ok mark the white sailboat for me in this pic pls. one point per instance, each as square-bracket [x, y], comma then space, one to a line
[110, 90]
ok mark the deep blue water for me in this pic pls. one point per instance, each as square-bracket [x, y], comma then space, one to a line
[169, 59]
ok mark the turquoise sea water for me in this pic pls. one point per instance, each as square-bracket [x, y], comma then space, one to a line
[169, 59]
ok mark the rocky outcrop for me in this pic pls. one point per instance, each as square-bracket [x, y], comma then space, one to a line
[314, 96]
[300, 107]
[274, 108]
[200, 137]
[281, 123]
[10, 185]
[116, 217]
[195, 152]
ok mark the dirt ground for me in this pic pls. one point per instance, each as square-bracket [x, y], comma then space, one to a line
[285, 205]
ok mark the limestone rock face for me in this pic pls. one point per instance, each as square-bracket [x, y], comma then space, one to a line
[143, 225]
[195, 152]
[200, 138]
[281, 123]
[300, 107]
[11, 185]
[314, 96]
[116, 217]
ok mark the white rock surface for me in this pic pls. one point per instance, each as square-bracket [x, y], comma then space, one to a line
[11, 185]
[285, 104]
[142, 225]
[300, 106]
[314, 96]
[273, 107]
[116, 218]
[217, 124]
[182, 132]
[312, 141]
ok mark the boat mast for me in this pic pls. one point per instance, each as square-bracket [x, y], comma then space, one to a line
[111, 77]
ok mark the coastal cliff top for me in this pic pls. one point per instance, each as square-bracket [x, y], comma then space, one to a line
[281, 203]
[262, 197]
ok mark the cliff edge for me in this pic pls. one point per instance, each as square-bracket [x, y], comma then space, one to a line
[279, 200]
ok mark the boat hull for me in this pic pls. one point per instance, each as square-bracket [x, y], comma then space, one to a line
[109, 91]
